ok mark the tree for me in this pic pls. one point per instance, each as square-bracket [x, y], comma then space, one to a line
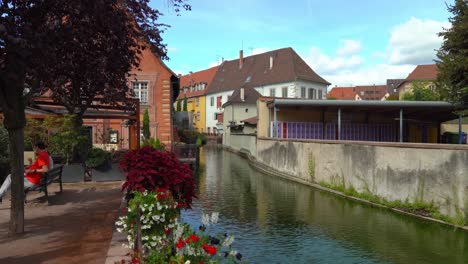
[79, 50]
[421, 91]
[452, 57]
[146, 126]
[179, 106]
[185, 104]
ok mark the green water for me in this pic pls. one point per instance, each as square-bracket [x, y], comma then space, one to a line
[279, 221]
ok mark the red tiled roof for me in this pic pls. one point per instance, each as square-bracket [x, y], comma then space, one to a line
[371, 92]
[423, 72]
[204, 76]
[342, 93]
[255, 71]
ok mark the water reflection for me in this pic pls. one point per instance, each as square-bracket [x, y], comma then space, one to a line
[279, 221]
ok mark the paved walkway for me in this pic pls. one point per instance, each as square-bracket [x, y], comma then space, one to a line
[75, 227]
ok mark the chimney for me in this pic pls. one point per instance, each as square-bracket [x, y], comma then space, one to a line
[242, 94]
[241, 58]
[271, 62]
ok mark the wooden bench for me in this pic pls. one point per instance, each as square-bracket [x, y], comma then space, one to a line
[53, 175]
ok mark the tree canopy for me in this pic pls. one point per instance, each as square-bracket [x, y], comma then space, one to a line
[452, 56]
[76, 51]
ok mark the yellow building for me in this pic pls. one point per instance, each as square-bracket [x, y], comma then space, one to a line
[193, 86]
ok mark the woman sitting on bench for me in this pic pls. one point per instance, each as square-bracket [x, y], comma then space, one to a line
[32, 174]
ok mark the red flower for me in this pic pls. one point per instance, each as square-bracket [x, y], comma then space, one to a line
[124, 210]
[192, 238]
[160, 190]
[200, 262]
[180, 244]
[209, 249]
[168, 231]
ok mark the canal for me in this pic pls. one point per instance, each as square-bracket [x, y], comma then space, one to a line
[279, 221]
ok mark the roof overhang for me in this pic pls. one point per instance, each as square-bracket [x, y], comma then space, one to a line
[419, 110]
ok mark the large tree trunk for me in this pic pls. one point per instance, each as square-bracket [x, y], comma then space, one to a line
[17, 180]
[13, 106]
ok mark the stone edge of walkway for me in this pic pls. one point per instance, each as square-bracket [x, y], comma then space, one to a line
[116, 252]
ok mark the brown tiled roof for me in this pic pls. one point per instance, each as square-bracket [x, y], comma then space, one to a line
[342, 93]
[250, 96]
[371, 92]
[287, 66]
[205, 76]
[423, 72]
[252, 120]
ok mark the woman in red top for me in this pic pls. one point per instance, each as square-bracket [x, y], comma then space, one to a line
[32, 174]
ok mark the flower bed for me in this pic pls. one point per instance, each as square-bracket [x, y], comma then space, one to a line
[158, 186]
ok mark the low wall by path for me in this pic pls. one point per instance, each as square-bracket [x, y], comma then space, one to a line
[408, 172]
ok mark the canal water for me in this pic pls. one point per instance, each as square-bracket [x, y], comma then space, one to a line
[279, 221]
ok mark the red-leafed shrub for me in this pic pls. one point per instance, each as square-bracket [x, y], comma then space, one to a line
[148, 169]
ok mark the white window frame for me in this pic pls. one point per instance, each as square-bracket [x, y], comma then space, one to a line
[212, 101]
[284, 92]
[140, 92]
[272, 92]
[303, 92]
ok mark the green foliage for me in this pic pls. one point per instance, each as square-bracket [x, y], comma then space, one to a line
[179, 106]
[421, 92]
[393, 97]
[155, 143]
[185, 104]
[4, 143]
[98, 159]
[452, 62]
[191, 136]
[418, 207]
[146, 125]
[65, 138]
[34, 131]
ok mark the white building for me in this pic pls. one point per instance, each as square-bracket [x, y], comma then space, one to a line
[277, 73]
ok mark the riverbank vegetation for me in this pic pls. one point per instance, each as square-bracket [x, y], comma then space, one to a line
[418, 208]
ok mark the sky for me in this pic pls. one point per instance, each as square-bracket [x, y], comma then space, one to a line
[347, 42]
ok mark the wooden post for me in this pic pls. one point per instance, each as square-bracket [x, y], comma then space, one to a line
[401, 125]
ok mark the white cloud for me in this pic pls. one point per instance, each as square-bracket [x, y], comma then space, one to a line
[411, 43]
[214, 63]
[376, 74]
[259, 51]
[349, 47]
[327, 65]
[415, 41]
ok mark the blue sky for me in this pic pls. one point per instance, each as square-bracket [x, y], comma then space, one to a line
[346, 42]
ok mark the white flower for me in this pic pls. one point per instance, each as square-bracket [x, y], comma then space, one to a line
[228, 241]
[206, 219]
[145, 238]
[187, 262]
[233, 253]
[214, 217]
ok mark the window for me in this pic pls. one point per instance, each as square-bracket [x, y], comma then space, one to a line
[272, 92]
[311, 93]
[303, 92]
[197, 100]
[284, 91]
[215, 116]
[212, 101]
[219, 101]
[246, 110]
[140, 90]
[320, 94]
